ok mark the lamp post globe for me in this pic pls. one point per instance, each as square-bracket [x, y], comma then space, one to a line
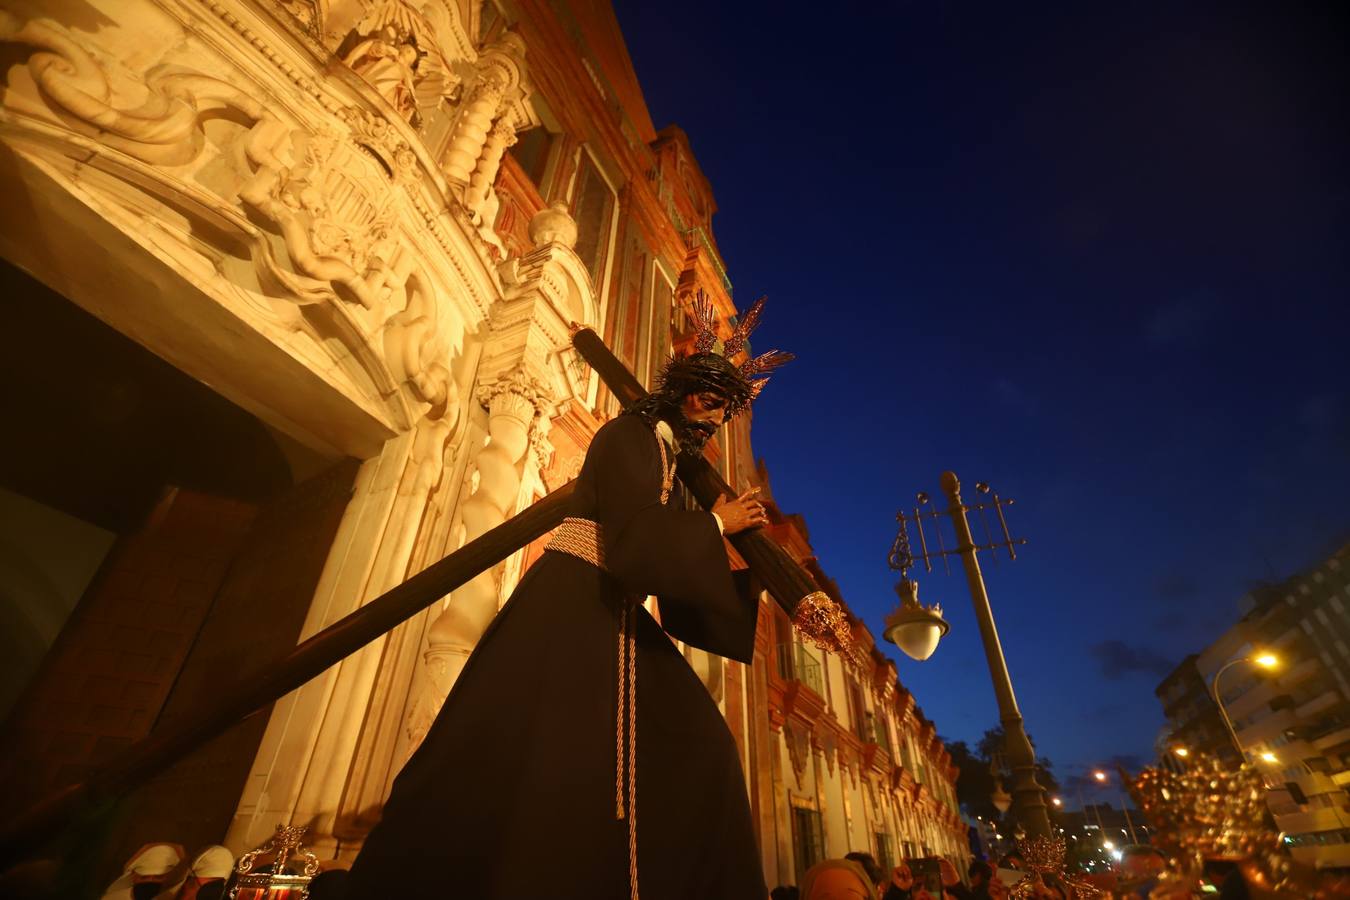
[914, 628]
[1001, 799]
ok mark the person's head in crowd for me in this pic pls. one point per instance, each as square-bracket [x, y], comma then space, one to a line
[204, 879]
[902, 876]
[148, 871]
[980, 873]
[869, 865]
[1013, 860]
[837, 879]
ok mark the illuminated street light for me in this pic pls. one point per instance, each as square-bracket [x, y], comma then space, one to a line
[1124, 805]
[1182, 752]
[1265, 661]
[913, 627]
[1108, 845]
[1057, 801]
[1270, 757]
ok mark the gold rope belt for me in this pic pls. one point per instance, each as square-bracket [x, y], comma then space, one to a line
[579, 538]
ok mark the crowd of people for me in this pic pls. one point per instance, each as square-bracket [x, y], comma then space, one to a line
[857, 876]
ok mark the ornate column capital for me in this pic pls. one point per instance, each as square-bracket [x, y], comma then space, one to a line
[503, 131]
[518, 395]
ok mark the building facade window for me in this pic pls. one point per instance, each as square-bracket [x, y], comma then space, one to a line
[531, 152]
[884, 854]
[808, 839]
[593, 206]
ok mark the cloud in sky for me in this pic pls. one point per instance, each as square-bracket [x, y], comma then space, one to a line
[1118, 660]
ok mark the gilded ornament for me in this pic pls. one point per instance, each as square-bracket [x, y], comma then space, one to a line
[823, 622]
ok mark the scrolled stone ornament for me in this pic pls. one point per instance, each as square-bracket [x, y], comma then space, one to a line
[822, 622]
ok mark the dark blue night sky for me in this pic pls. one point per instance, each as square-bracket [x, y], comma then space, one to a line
[1094, 254]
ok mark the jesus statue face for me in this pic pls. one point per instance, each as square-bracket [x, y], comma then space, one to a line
[704, 412]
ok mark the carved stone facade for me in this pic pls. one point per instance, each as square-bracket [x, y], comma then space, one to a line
[368, 226]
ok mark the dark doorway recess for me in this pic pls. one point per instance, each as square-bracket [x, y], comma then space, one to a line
[218, 528]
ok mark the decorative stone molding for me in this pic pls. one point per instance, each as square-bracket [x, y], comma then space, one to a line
[541, 450]
[332, 200]
[373, 134]
[829, 746]
[545, 292]
[162, 130]
[849, 761]
[553, 225]
[494, 108]
[308, 14]
[883, 683]
[501, 136]
[798, 741]
[271, 54]
[471, 128]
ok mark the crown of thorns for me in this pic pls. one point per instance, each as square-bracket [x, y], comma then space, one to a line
[710, 366]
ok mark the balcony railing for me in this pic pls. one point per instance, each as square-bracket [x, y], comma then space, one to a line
[796, 663]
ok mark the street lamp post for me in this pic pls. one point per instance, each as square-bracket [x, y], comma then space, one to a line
[1265, 661]
[1028, 796]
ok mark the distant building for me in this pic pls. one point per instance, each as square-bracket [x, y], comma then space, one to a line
[1193, 716]
[1293, 723]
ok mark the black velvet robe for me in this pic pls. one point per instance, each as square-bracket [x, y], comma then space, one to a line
[512, 793]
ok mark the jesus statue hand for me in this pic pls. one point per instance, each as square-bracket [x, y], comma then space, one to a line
[740, 513]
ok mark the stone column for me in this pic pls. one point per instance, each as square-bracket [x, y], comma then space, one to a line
[502, 135]
[307, 752]
[514, 403]
[466, 141]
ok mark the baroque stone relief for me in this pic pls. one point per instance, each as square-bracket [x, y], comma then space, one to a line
[318, 208]
[395, 47]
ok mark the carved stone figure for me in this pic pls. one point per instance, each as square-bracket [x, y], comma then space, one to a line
[389, 61]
